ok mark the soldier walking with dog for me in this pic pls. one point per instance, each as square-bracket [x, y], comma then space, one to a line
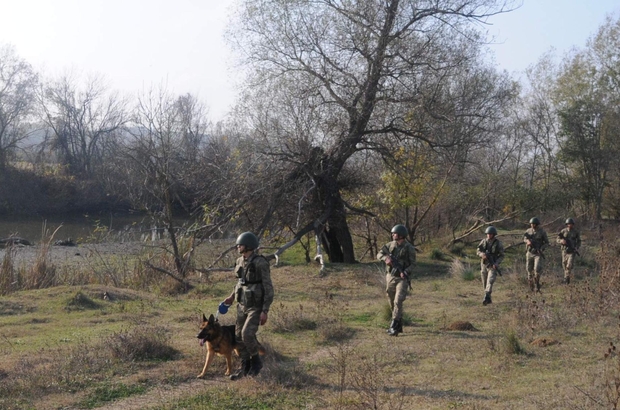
[536, 241]
[570, 241]
[491, 252]
[254, 295]
[399, 257]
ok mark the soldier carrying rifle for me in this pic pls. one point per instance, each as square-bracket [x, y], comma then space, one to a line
[491, 252]
[399, 257]
[570, 240]
[536, 241]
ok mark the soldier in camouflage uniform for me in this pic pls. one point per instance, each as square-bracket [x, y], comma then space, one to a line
[570, 240]
[536, 241]
[254, 295]
[401, 253]
[491, 252]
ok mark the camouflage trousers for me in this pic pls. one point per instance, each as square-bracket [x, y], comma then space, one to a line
[396, 289]
[248, 320]
[568, 260]
[488, 276]
[534, 265]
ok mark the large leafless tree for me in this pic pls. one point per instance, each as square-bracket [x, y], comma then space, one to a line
[18, 83]
[332, 78]
[86, 119]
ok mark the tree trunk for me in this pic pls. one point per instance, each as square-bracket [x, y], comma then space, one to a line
[337, 239]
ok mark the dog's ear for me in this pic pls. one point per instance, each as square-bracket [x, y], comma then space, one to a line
[211, 318]
[204, 318]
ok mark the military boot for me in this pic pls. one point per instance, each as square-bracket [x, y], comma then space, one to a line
[487, 299]
[255, 365]
[538, 285]
[567, 280]
[389, 329]
[243, 371]
[395, 328]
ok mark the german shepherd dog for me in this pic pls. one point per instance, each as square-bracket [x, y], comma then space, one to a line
[220, 340]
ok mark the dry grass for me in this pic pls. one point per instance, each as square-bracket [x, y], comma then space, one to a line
[326, 342]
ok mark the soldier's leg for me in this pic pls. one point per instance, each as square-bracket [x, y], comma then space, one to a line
[249, 330]
[239, 324]
[399, 298]
[241, 347]
[568, 260]
[529, 264]
[538, 267]
[491, 275]
[390, 290]
[483, 275]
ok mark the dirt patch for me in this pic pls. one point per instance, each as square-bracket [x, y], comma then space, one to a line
[463, 326]
[544, 342]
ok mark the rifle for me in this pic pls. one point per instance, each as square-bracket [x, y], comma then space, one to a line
[491, 262]
[535, 245]
[399, 268]
[570, 246]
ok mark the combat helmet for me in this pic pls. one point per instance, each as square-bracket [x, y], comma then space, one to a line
[401, 230]
[569, 221]
[535, 221]
[491, 230]
[249, 240]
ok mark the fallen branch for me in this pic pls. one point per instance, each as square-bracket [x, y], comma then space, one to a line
[480, 223]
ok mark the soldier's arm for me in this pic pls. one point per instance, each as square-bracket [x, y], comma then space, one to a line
[500, 253]
[383, 253]
[480, 250]
[545, 240]
[560, 237]
[578, 241]
[410, 260]
[263, 267]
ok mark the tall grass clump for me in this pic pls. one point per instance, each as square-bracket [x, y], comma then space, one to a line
[437, 254]
[142, 343]
[42, 274]
[289, 320]
[512, 345]
[365, 381]
[463, 270]
[7, 272]
[331, 312]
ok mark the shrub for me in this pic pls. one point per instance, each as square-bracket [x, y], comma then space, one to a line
[512, 344]
[292, 320]
[464, 270]
[142, 343]
[81, 302]
[437, 254]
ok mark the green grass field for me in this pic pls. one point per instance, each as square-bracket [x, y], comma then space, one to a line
[68, 347]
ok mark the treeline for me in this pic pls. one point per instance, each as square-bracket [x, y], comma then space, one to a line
[354, 117]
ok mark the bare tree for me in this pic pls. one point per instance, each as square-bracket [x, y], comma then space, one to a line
[333, 78]
[166, 134]
[86, 120]
[18, 83]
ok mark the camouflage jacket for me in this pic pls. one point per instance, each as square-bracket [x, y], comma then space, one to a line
[405, 254]
[494, 247]
[538, 237]
[572, 236]
[254, 288]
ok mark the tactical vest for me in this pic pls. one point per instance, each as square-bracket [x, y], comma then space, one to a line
[250, 288]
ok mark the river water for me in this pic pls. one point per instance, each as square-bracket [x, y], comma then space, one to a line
[80, 228]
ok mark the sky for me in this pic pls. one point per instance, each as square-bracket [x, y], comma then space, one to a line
[137, 44]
